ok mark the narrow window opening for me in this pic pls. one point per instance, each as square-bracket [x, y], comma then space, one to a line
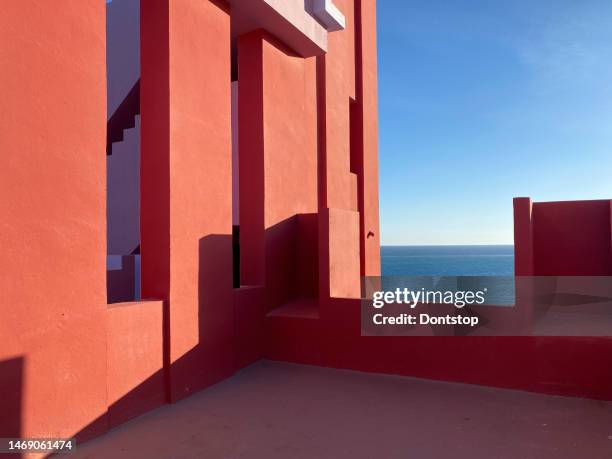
[123, 150]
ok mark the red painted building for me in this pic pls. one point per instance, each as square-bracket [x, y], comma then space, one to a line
[154, 225]
[230, 219]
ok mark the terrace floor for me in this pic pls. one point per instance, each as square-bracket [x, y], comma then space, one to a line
[279, 410]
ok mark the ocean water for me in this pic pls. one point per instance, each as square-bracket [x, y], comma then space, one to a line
[484, 266]
[447, 260]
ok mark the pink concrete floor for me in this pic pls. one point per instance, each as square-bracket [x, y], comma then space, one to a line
[278, 410]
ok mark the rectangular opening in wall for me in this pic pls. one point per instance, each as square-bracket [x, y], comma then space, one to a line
[123, 150]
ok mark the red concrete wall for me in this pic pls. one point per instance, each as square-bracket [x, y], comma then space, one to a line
[572, 366]
[338, 85]
[249, 314]
[366, 142]
[186, 210]
[572, 238]
[343, 278]
[278, 162]
[306, 284]
[558, 238]
[135, 377]
[341, 156]
[523, 237]
[252, 166]
[565, 238]
[52, 239]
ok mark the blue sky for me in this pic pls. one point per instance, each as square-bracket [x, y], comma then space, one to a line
[481, 101]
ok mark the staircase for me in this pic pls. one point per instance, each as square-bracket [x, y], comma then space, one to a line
[123, 199]
[123, 118]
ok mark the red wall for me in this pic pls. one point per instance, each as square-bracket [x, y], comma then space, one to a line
[135, 379]
[278, 163]
[186, 212]
[563, 238]
[52, 207]
[556, 238]
[572, 238]
[367, 135]
[249, 314]
[574, 366]
[339, 268]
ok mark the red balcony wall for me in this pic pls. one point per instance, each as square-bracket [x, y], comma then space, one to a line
[572, 366]
[551, 239]
[52, 207]
[563, 238]
[572, 238]
[135, 359]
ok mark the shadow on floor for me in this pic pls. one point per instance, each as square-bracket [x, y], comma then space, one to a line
[278, 410]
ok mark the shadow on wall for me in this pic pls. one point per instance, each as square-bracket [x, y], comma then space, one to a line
[291, 260]
[11, 390]
[212, 359]
[226, 342]
[207, 363]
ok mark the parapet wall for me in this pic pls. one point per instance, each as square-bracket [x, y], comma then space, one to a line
[564, 238]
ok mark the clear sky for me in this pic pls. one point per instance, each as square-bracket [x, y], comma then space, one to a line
[481, 101]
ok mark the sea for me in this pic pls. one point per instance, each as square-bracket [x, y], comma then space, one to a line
[447, 260]
[476, 267]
